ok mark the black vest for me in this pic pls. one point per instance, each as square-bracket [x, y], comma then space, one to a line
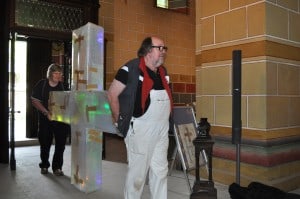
[127, 97]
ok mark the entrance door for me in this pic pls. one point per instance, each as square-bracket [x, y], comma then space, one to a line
[38, 60]
[19, 90]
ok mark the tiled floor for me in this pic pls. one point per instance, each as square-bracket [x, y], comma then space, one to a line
[26, 182]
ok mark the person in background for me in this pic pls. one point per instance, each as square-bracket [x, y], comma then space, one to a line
[141, 102]
[48, 129]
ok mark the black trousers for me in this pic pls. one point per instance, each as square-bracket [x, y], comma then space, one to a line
[47, 131]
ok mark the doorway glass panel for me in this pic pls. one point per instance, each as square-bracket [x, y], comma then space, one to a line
[20, 90]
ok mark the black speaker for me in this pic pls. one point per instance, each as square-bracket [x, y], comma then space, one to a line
[236, 96]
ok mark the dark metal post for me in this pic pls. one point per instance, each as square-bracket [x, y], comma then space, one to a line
[236, 106]
[238, 170]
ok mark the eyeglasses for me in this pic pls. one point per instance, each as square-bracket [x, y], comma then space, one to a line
[161, 48]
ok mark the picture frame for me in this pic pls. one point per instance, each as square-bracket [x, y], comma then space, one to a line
[185, 136]
[185, 130]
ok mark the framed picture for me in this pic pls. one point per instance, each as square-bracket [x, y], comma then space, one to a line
[186, 134]
[185, 127]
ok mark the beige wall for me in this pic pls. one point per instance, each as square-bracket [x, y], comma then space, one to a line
[268, 34]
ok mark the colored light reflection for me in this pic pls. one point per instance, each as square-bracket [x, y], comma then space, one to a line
[100, 37]
[107, 107]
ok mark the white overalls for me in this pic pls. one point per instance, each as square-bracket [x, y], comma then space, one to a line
[147, 147]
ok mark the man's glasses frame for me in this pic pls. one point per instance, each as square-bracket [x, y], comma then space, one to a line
[161, 48]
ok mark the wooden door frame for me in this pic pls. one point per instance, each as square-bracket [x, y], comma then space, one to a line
[4, 112]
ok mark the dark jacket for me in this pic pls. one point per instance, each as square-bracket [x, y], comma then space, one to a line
[127, 97]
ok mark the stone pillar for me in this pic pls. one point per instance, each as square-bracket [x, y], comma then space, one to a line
[268, 34]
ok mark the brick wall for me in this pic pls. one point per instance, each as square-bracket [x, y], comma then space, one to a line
[127, 23]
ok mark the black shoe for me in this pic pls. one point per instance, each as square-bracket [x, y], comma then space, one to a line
[58, 172]
[44, 171]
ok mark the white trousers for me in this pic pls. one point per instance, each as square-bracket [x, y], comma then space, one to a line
[147, 144]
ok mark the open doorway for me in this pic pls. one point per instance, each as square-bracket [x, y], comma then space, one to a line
[32, 56]
[56, 23]
[20, 94]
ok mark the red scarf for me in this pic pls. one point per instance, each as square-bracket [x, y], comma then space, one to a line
[148, 83]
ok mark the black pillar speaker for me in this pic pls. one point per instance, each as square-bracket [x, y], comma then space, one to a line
[236, 96]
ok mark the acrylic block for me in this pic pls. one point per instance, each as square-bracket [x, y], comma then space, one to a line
[92, 109]
[86, 158]
[59, 106]
[87, 57]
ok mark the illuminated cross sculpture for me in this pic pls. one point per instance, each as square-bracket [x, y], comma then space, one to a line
[85, 107]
